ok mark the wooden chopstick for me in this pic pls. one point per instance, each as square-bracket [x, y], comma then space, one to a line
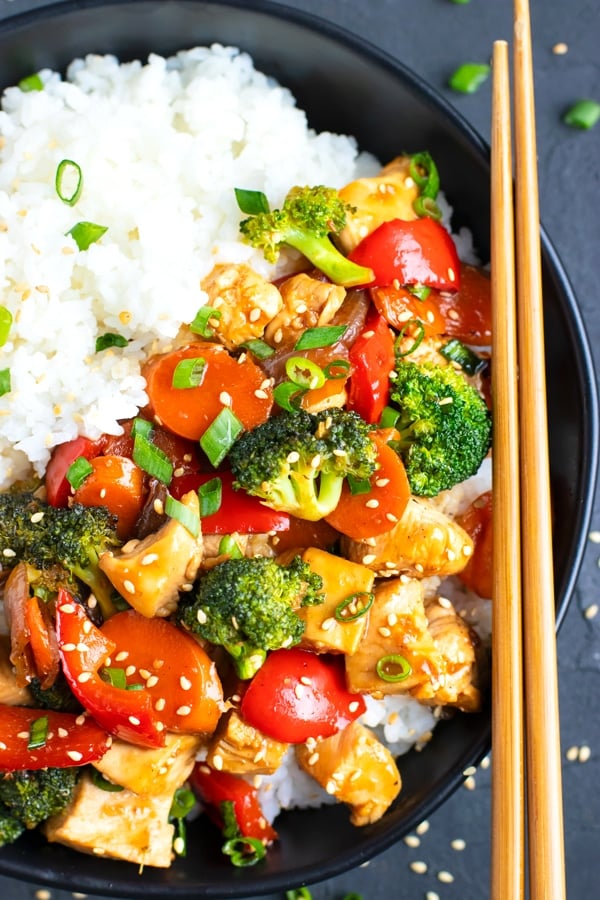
[542, 730]
[507, 863]
[540, 693]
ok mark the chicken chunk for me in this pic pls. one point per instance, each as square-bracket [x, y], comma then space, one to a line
[355, 768]
[149, 771]
[241, 749]
[120, 825]
[388, 195]
[11, 693]
[457, 644]
[397, 627]
[307, 303]
[424, 542]
[245, 300]
[150, 573]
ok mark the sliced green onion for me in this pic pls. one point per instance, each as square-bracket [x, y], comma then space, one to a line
[337, 368]
[288, 395]
[5, 386]
[325, 336]
[358, 485]
[183, 802]
[304, 372]
[210, 496]
[354, 896]
[134, 687]
[417, 341]
[114, 676]
[259, 349]
[104, 784]
[456, 352]
[220, 435]
[31, 83]
[251, 202]
[175, 509]
[389, 417]
[244, 851]
[152, 459]
[425, 175]
[86, 233]
[420, 291]
[425, 206]
[104, 341]
[393, 668]
[38, 733]
[458, 3]
[354, 607]
[200, 324]
[584, 114]
[5, 323]
[189, 373]
[230, 828]
[78, 471]
[228, 546]
[68, 171]
[301, 893]
[141, 426]
[469, 77]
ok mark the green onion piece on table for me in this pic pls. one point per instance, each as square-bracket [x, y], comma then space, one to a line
[584, 114]
[68, 173]
[244, 851]
[87, 233]
[469, 77]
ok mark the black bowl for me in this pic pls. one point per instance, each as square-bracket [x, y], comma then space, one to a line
[349, 88]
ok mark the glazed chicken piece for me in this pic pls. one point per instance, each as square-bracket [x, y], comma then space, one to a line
[245, 300]
[398, 628]
[457, 644]
[307, 303]
[388, 195]
[424, 542]
[355, 768]
[119, 825]
[150, 573]
[151, 771]
[241, 749]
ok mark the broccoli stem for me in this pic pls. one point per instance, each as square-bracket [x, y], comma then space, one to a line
[246, 658]
[326, 257]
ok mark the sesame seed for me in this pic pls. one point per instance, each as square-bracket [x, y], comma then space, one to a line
[419, 867]
[445, 877]
[67, 608]
[37, 517]
[306, 680]
[327, 624]
[92, 602]
[368, 334]
[411, 840]
[470, 770]
[179, 846]
[159, 507]
[369, 558]
[384, 631]
[315, 461]
[444, 602]
[81, 648]
[299, 691]
[87, 626]
[149, 558]
[584, 753]
[151, 681]
[591, 611]
[185, 683]
[560, 49]
[372, 504]
[451, 274]
[431, 895]
[422, 828]
[458, 844]
[68, 648]
[129, 586]
[121, 655]
[83, 677]
[353, 706]
[470, 783]
[382, 482]
[80, 720]
[130, 670]
[201, 616]
[75, 755]
[133, 720]
[572, 754]
[183, 710]
[254, 314]
[217, 762]
[62, 732]
[594, 537]
[485, 762]
[260, 394]
[278, 336]
[24, 735]
[313, 758]
[445, 401]
[160, 704]
[43, 895]
[391, 517]
[452, 314]
[467, 550]
[293, 457]
[331, 786]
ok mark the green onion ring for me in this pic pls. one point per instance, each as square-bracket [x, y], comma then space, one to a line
[244, 851]
[352, 601]
[288, 396]
[65, 169]
[336, 369]
[304, 372]
[402, 335]
[393, 668]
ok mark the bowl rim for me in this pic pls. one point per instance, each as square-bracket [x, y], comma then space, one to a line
[370, 846]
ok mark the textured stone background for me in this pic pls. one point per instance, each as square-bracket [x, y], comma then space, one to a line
[433, 37]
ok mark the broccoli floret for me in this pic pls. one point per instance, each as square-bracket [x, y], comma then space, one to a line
[10, 828]
[444, 423]
[307, 217]
[296, 462]
[247, 606]
[45, 536]
[58, 697]
[32, 796]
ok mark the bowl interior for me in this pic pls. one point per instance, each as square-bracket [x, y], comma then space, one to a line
[348, 88]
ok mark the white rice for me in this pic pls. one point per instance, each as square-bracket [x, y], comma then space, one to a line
[161, 147]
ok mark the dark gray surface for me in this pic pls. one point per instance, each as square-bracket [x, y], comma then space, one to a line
[433, 37]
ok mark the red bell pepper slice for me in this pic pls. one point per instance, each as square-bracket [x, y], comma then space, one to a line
[416, 252]
[372, 359]
[214, 788]
[58, 489]
[296, 695]
[239, 512]
[84, 650]
[70, 740]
